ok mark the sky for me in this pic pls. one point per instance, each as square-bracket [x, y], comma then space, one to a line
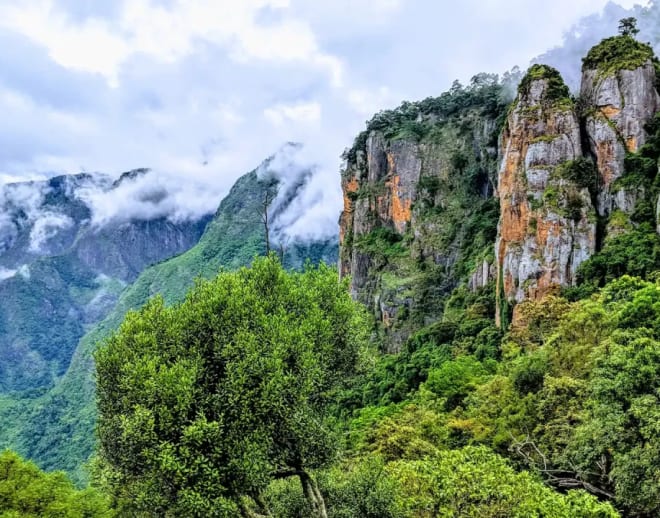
[203, 90]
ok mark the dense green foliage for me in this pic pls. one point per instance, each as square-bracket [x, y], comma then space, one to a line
[622, 52]
[27, 492]
[209, 407]
[203, 403]
[467, 482]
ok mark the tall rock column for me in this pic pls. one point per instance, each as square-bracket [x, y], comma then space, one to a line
[547, 223]
[619, 98]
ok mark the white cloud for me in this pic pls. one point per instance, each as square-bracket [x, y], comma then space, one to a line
[90, 46]
[24, 271]
[6, 274]
[46, 227]
[367, 102]
[166, 34]
[306, 113]
[149, 196]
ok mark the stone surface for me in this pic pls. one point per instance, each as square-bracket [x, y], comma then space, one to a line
[546, 227]
[617, 107]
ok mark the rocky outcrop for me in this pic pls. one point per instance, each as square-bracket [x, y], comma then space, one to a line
[561, 200]
[546, 227]
[483, 274]
[565, 176]
[418, 215]
[618, 104]
[379, 190]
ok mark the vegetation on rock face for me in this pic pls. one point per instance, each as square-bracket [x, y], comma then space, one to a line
[556, 89]
[581, 172]
[416, 119]
[622, 52]
[455, 215]
[637, 250]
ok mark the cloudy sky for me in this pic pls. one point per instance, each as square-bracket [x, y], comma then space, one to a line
[203, 90]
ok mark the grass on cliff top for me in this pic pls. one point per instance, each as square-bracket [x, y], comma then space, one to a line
[557, 89]
[618, 53]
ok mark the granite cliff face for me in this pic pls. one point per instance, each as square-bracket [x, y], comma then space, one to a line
[569, 174]
[569, 180]
[547, 224]
[418, 208]
[618, 103]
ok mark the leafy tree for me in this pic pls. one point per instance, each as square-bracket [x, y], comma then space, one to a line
[475, 482]
[201, 405]
[628, 26]
[26, 491]
[618, 446]
[356, 488]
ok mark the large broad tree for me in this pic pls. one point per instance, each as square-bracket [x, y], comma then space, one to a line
[201, 405]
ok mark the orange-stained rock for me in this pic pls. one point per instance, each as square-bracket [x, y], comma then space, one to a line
[400, 204]
[610, 111]
[618, 107]
[540, 244]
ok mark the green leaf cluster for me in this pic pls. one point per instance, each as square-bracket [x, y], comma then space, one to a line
[556, 89]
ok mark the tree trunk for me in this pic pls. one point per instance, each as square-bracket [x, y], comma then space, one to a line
[313, 495]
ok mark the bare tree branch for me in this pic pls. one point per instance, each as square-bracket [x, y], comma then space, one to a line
[561, 478]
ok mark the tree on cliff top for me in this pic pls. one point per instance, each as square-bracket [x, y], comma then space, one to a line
[628, 27]
[201, 405]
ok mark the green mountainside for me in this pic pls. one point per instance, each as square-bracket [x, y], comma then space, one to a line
[61, 273]
[55, 429]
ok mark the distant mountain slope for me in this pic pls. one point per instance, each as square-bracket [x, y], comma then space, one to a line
[56, 428]
[61, 272]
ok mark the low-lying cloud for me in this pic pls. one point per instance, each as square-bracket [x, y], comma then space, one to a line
[25, 207]
[149, 196]
[306, 205]
[46, 227]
